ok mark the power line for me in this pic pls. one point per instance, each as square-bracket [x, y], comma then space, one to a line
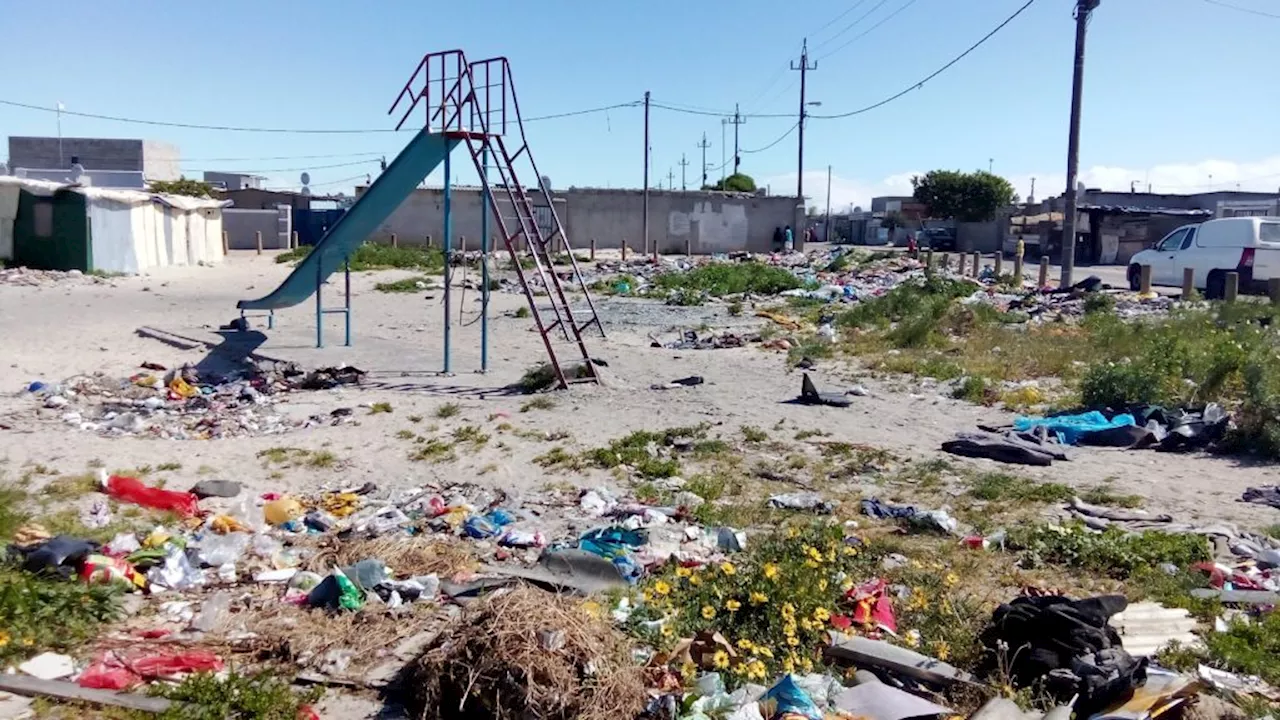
[280, 131]
[1237, 8]
[715, 113]
[853, 24]
[366, 161]
[284, 157]
[932, 75]
[837, 18]
[869, 30]
[785, 135]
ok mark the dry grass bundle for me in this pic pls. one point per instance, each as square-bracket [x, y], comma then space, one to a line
[527, 653]
[404, 555]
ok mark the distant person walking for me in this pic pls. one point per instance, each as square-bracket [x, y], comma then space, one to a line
[789, 239]
[778, 239]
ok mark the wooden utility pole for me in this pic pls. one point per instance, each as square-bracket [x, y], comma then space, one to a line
[703, 146]
[645, 211]
[684, 183]
[1084, 8]
[804, 69]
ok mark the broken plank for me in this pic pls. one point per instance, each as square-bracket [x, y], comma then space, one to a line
[62, 690]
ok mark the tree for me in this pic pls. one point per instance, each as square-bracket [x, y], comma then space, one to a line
[183, 186]
[968, 197]
[736, 182]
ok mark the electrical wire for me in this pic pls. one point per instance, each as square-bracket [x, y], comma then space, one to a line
[1237, 8]
[285, 157]
[852, 25]
[775, 142]
[282, 131]
[299, 169]
[837, 18]
[932, 75]
[868, 31]
[710, 113]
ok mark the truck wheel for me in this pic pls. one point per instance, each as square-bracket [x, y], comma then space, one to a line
[1216, 285]
[1135, 278]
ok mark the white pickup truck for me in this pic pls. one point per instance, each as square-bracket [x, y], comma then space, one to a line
[1249, 246]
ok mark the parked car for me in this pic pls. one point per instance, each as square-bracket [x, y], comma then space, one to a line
[1249, 246]
[937, 238]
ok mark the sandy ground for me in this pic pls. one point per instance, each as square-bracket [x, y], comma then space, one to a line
[58, 330]
[55, 331]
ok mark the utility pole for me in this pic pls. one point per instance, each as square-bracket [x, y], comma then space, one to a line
[671, 179]
[804, 69]
[704, 145]
[684, 184]
[826, 228]
[724, 122]
[645, 211]
[737, 120]
[1084, 9]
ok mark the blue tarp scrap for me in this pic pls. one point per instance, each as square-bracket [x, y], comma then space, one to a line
[1070, 428]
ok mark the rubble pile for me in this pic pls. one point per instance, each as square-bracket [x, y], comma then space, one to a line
[186, 404]
[28, 277]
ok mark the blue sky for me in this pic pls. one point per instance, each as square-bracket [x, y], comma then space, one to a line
[1176, 90]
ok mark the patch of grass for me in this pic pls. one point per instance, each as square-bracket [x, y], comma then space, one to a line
[977, 390]
[1099, 303]
[408, 285]
[12, 515]
[523, 312]
[294, 255]
[406, 434]
[543, 402]
[813, 347]
[686, 297]
[1002, 487]
[264, 696]
[753, 434]
[39, 614]
[381, 257]
[806, 434]
[379, 408]
[1111, 552]
[558, 458]
[643, 450]
[706, 449]
[1103, 495]
[297, 457]
[1272, 531]
[206, 470]
[712, 486]
[322, 459]
[433, 450]
[448, 410]
[168, 467]
[719, 279]
[415, 418]
[735, 308]
[471, 435]
[70, 487]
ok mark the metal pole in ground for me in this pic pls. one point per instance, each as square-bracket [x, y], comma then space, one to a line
[1273, 290]
[226, 243]
[448, 268]
[485, 243]
[977, 263]
[1233, 287]
[395, 240]
[593, 249]
[999, 262]
[960, 267]
[1017, 264]
[1145, 280]
[257, 239]
[1044, 271]
[928, 258]
[319, 304]
[624, 249]
[293, 240]
[346, 278]
[1084, 8]
[645, 210]
[1188, 283]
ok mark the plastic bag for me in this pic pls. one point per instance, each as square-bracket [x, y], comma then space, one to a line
[218, 550]
[279, 512]
[103, 569]
[214, 609]
[176, 572]
[133, 490]
[480, 527]
[789, 697]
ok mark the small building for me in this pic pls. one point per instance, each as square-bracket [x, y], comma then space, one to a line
[234, 180]
[153, 159]
[53, 226]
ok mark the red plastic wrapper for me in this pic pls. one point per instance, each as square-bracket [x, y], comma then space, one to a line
[133, 490]
[104, 570]
[873, 606]
[121, 670]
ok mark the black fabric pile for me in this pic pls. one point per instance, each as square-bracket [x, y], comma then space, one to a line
[1007, 446]
[1180, 429]
[1066, 644]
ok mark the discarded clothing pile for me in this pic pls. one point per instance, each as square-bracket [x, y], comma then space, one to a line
[690, 340]
[1263, 495]
[930, 519]
[1019, 448]
[1147, 426]
[1068, 645]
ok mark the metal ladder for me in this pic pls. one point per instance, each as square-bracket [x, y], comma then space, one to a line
[478, 115]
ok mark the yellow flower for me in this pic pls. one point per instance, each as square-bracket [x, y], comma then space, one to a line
[758, 598]
[661, 587]
[788, 665]
[849, 550]
[951, 579]
[916, 565]
[647, 594]
[667, 632]
[846, 585]
[708, 612]
[919, 601]
[728, 568]
[822, 584]
[811, 563]
[732, 606]
[591, 607]
[756, 670]
[688, 671]
[792, 640]
[806, 665]
[942, 650]
[694, 579]
[821, 614]
[793, 532]
[813, 552]
[683, 572]
[764, 651]
[789, 629]
[720, 659]
[4, 638]
[788, 610]
[912, 638]
[28, 642]
[770, 571]
[745, 644]
[806, 623]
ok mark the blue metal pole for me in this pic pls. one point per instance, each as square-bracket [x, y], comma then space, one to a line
[319, 305]
[484, 261]
[448, 272]
[346, 269]
[271, 319]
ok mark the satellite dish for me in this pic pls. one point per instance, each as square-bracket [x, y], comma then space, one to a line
[306, 178]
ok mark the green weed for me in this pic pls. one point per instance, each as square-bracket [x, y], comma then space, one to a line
[379, 408]
[448, 410]
[1001, 487]
[168, 467]
[264, 696]
[39, 614]
[433, 450]
[753, 434]
[1111, 552]
[415, 284]
[539, 403]
[719, 279]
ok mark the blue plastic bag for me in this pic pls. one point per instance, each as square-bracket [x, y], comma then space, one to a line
[787, 697]
[1070, 428]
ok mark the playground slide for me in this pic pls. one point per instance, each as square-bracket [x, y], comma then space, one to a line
[415, 162]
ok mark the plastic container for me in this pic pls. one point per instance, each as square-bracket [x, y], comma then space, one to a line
[283, 510]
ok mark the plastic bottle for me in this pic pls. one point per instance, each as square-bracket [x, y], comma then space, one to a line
[215, 608]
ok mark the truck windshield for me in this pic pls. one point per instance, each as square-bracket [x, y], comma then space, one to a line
[1269, 231]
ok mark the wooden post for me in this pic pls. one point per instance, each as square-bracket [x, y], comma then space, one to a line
[1017, 270]
[1188, 282]
[1273, 289]
[462, 243]
[395, 240]
[226, 243]
[593, 249]
[293, 240]
[944, 261]
[688, 246]
[928, 259]
[624, 249]
[960, 267]
[1044, 271]
[1144, 284]
[428, 242]
[257, 238]
[999, 258]
[977, 263]
[1233, 287]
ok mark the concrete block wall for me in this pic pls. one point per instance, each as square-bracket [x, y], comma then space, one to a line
[701, 221]
[155, 160]
[241, 224]
[160, 160]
